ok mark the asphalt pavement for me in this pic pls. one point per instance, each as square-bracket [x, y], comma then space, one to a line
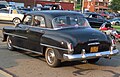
[4, 73]
[21, 63]
[3, 23]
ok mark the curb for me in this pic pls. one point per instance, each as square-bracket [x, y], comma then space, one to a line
[5, 74]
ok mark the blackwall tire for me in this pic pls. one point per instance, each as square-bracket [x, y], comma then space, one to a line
[51, 58]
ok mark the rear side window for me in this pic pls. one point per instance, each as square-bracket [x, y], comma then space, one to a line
[27, 20]
[39, 21]
[95, 16]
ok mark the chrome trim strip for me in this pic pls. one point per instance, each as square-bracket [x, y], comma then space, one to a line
[42, 28]
[54, 47]
[95, 43]
[27, 50]
[72, 57]
[15, 35]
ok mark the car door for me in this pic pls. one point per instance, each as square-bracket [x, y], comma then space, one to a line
[35, 33]
[21, 32]
[12, 14]
[4, 14]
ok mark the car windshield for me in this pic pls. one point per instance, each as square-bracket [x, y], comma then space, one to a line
[69, 21]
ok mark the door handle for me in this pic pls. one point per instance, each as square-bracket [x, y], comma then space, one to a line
[41, 31]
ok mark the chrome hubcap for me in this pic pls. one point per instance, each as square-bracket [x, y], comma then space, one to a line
[9, 43]
[16, 21]
[51, 56]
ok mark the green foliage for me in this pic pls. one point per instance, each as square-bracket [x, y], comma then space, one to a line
[57, 0]
[116, 27]
[78, 7]
[115, 5]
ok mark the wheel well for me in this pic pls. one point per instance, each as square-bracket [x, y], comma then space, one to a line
[44, 49]
[5, 37]
[16, 18]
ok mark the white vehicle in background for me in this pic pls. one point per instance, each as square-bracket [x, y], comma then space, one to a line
[11, 15]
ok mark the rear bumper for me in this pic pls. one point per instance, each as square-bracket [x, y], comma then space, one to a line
[72, 57]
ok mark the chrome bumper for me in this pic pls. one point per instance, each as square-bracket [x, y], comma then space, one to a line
[72, 57]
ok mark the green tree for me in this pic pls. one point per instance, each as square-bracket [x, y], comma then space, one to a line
[115, 5]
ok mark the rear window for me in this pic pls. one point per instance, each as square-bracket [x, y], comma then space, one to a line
[69, 21]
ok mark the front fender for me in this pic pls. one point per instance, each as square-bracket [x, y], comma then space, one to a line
[6, 31]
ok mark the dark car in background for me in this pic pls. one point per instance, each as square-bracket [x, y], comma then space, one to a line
[95, 19]
[106, 14]
[25, 10]
[59, 36]
[52, 7]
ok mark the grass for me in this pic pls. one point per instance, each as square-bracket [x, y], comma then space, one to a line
[116, 27]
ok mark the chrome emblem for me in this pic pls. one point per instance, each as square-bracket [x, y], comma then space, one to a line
[95, 43]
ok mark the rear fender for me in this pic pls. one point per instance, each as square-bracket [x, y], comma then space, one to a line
[51, 42]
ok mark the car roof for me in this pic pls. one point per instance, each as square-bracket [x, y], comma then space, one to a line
[87, 14]
[55, 13]
[91, 13]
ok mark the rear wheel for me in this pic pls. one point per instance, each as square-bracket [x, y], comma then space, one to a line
[51, 58]
[9, 44]
[92, 61]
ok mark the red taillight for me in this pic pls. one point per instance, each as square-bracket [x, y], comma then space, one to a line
[70, 47]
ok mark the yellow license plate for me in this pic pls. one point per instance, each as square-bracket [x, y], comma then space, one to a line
[94, 49]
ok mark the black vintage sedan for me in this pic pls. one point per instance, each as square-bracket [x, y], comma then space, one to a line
[59, 36]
